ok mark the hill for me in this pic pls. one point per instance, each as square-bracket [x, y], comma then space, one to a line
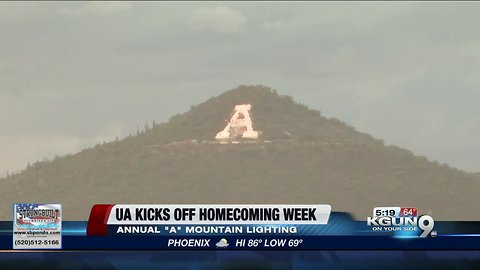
[300, 157]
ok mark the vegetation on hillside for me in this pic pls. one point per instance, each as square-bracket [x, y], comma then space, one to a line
[302, 157]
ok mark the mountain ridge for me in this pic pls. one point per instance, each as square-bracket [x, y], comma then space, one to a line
[300, 157]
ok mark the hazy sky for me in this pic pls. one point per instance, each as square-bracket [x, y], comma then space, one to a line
[76, 73]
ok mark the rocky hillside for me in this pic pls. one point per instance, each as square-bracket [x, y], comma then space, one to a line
[300, 157]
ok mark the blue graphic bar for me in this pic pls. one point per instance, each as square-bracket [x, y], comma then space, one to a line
[341, 233]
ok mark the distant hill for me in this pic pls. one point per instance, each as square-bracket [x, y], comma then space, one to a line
[277, 116]
[300, 157]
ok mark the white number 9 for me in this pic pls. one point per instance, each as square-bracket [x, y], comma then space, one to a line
[425, 223]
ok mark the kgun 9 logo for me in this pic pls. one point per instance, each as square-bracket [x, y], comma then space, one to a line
[425, 223]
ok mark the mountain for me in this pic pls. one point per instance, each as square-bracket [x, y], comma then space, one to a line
[299, 157]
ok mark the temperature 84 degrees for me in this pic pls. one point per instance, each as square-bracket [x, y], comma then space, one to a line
[268, 243]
